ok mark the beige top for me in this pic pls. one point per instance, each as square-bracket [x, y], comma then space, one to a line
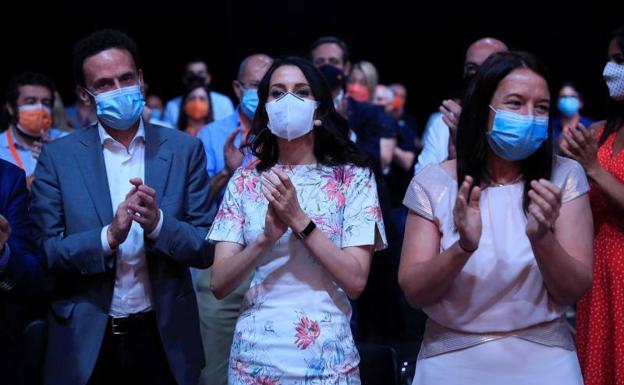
[500, 289]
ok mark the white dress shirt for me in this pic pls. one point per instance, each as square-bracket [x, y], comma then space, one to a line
[435, 142]
[132, 292]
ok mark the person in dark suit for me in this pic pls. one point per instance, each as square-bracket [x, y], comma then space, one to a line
[121, 211]
[21, 273]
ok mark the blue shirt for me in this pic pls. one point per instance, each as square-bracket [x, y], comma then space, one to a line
[222, 107]
[557, 128]
[24, 153]
[213, 136]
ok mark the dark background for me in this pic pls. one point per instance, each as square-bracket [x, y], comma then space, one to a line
[419, 43]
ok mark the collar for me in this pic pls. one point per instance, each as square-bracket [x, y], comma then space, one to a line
[4, 140]
[105, 136]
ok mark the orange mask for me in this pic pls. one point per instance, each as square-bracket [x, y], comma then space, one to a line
[398, 102]
[196, 109]
[34, 120]
[358, 92]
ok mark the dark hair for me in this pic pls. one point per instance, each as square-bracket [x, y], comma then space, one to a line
[196, 58]
[183, 119]
[12, 93]
[97, 42]
[332, 40]
[332, 145]
[615, 109]
[574, 86]
[472, 144]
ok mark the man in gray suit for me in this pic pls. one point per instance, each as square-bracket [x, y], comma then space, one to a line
[122, 210]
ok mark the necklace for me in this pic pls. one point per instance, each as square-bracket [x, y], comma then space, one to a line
[495, 184]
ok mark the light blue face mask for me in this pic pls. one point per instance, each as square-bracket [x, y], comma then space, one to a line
[515, 137]
[156, 114]
[569, 105]
[121, 108]
[249, 102]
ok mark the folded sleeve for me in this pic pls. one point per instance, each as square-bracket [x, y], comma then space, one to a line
[228, 224]
[570, 177]
[362, 220]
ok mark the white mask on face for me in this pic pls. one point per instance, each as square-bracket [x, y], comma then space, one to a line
[614, 77]
[291, 117]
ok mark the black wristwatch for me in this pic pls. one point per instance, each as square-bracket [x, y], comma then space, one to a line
[306, 231]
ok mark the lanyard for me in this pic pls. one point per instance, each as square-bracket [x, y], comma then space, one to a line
[18, 160]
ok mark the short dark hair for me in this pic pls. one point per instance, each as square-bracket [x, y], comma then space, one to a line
[332, 40]
[572, 84]
[100, 41]
[11, 95]
[472, 142]
[196, 58]
[332, 145]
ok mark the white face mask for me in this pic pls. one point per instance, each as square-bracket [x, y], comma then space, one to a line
[614, 77]
[291, 117]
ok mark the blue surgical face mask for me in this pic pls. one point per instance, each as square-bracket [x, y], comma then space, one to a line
[121, 108]
[569, 106]
[249, 102]
[515, 137]
[156, 114]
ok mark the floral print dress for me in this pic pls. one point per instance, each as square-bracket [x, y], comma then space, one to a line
[293, 328]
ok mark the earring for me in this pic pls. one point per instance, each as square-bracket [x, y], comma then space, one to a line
[317, 123]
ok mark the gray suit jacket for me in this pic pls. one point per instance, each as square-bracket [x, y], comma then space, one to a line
[71, 204]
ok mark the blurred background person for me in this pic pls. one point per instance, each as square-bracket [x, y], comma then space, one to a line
[196, 70]
[403, 159]
[59, 119]
[569, 105]
[361, 85]
[27, 115]
[438, 136]
[402, 115]
[196, 109]
[80, 115]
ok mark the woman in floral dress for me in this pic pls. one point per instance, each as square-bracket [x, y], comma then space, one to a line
[305, 220]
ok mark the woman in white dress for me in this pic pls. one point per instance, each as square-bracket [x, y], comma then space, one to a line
[495, 259]
[305, 221]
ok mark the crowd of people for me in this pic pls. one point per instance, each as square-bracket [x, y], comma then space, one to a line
[263, 242]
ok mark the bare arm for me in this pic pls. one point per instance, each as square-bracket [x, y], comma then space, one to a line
[348, 267]
[564, 257]
[233, 263]
[425, 274]
[386, 148]
[404, 159]
[581, 145]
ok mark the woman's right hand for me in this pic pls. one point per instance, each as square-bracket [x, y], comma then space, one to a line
[274, 227]
[467, 215]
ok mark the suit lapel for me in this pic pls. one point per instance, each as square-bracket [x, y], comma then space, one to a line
[90, 160]
[157, 161]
